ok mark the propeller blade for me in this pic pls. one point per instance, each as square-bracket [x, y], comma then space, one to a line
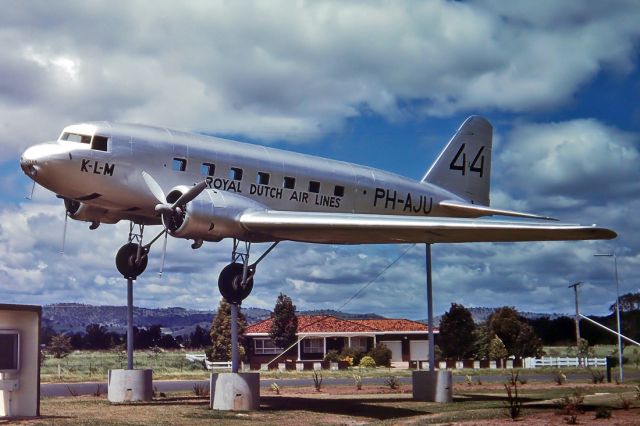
[33, 188]
[164, 253]
[154, 187]
[64, 231]
[192, 193]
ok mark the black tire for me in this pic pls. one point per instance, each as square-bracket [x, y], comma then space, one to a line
[125, 261]
[229, 284]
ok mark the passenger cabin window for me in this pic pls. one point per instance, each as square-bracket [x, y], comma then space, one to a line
[338, 191]
[314, 186]
[262, 178]
[76, 137]
[99, 143]
[207, 169]
[289, 182]
[179, 165]
[235, 173]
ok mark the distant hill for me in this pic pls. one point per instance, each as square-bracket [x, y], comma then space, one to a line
[74, 317]
[480, 315]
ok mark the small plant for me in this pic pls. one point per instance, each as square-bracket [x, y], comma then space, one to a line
[392, 382]
[514, 403]
[332, 356]
[468, 380]
[625, 403]
[603, 413]
[275, 388]
[597, 376]
[72, 391]
[200, 390]
[637, 389]
[367, 362]
[560, 378]
[357, 379]
[513, 378]
[479, 382]
[571, 406]
[523, 381]
[317, 381]
[98, 391]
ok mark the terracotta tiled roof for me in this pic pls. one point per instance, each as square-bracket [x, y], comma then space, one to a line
[331, 324]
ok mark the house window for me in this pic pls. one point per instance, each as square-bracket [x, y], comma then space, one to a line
[262, 178]
[207, 169]
[359, 343]
[314, 186]
[338, 191]
[313, 346]
[265, 347]
[179, 165]
[235, 173]
[289, 182]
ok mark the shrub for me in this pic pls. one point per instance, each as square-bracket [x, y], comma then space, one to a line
[560, 378]
[317, 381]
[358, 380]
[200, 390]
[597, 376]
[392, 382]
[354, 354]
[381, 355]
[603, 413]
[571, 405]
[514, 403]
[332, 356]
[367, 362]
[275, 388]
[625, 403]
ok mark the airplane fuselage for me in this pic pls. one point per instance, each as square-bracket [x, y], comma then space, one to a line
[109, 176]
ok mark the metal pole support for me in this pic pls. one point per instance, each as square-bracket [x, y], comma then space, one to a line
[432, 352]
[129, 324]
[235, 355]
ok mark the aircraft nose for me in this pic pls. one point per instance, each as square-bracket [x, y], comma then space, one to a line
[34, 157]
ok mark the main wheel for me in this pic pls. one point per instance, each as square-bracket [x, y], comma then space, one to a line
[230, 283]
[126, 261]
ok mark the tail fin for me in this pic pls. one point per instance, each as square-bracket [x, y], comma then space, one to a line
[464, 166]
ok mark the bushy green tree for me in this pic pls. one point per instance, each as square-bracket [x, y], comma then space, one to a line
[284, 322]
[221, 333]
[381, 354]
[457, 333]
[517, 336]
[497, 349]
[59, 346]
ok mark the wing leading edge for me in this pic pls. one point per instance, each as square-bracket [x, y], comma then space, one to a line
[344, 228]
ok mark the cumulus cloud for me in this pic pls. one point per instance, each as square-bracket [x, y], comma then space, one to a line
[279, 70]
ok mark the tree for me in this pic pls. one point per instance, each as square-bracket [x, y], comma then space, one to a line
[221, 333]
[628, 302]
[60, 346]
[199, 338]
[497, 349]
[518, 337]
[96, 337]
[284, 322]
[457, 333]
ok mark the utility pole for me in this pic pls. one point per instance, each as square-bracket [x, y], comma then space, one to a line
[575, 289]
[615, 265]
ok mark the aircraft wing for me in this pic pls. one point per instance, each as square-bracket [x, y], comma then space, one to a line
[345, 228]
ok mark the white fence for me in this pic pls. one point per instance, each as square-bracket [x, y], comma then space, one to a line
[209, 364]
[563, 362]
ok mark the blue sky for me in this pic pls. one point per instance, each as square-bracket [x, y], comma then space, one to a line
[378, 83]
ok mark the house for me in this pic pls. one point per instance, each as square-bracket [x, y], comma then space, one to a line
[319, 334]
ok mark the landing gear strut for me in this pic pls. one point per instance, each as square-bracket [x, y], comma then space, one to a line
[131, 261]
[235, 284]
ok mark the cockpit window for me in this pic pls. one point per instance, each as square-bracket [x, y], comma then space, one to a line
[76, 137]
[99, 143]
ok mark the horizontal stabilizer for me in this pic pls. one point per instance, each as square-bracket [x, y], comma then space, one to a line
[346, 228]
[473, 210]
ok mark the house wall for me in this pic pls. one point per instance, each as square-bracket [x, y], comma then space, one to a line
[405, 339]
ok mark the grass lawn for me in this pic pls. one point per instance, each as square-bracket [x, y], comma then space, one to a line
[344, 405]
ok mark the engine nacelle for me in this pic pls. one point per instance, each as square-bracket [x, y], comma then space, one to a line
[211, 216]
[81, 211]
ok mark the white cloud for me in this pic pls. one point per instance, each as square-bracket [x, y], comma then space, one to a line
[295, 71]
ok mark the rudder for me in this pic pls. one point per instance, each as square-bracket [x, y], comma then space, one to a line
[464, 166]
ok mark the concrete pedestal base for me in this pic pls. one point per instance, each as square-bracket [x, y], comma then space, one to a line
[235, 391]
[433, 386]
[130, 385]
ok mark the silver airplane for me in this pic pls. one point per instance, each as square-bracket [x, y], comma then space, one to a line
[207, 188]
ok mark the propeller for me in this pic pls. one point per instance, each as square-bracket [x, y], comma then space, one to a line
[171, 213]
[29, 196]
[64, 230]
